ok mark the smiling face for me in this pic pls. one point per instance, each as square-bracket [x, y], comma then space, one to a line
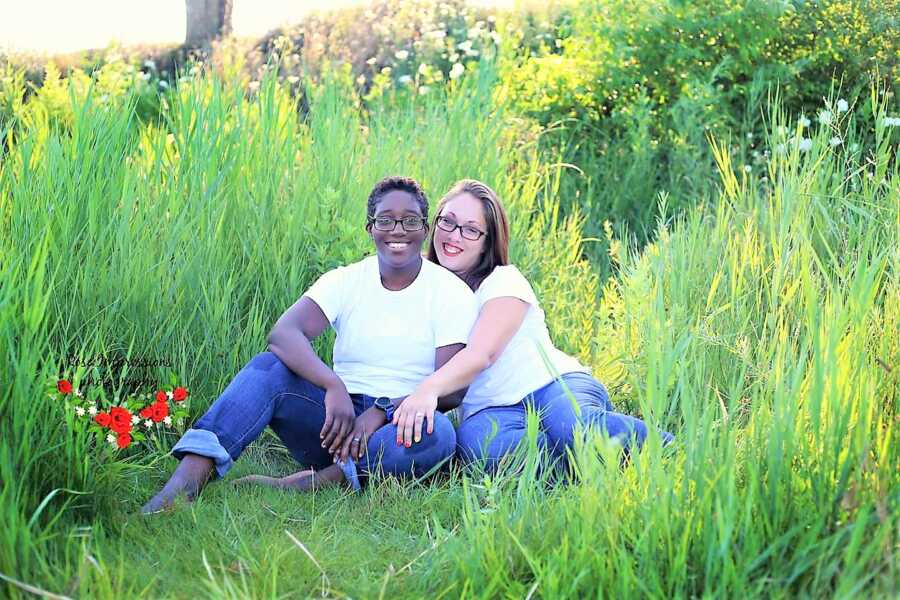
[397, 249]
[454, 251]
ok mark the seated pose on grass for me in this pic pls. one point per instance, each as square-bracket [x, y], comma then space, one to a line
[397, 318]
[502, 363]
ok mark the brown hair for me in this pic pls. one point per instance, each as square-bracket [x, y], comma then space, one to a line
[496, 239]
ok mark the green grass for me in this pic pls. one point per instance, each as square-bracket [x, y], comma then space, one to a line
[761, 329]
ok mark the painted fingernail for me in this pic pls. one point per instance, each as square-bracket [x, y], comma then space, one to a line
[408, 444]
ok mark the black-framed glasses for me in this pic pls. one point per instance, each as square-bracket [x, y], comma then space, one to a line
[470, 233]
[410, 223]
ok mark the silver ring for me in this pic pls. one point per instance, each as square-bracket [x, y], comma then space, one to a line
[418, 414]
[356, 439]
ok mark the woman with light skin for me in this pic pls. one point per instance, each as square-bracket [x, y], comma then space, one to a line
[397, 318]
[502, 363]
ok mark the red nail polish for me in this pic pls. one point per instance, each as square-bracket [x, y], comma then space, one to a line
[408, 444]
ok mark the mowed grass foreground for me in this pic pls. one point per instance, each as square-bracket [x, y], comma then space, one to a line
[761, 328]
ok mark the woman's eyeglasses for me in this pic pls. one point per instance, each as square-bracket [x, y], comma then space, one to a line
[389, 223]
[467, 231]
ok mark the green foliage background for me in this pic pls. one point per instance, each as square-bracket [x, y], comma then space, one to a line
[753, 311]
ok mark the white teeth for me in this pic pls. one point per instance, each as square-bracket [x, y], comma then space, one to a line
[398, 245]
[450, 250]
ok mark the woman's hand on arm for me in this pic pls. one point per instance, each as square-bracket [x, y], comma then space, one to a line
[413, 412]
[457, 366]
[290, 341]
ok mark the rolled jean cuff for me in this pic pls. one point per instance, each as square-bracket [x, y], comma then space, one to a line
[351, 473]
[204, 443]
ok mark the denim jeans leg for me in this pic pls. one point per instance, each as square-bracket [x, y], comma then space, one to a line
[265, 389]
[560, 416]
[384, 455]
[492, 433]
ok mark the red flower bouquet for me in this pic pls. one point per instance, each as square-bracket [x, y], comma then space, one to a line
[123, 423]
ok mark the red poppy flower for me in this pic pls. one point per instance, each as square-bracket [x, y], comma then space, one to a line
[159, 411]
[64, 386]
[161, 396]
[179, 394]
[102, 419]
[147, 412]
[121, 419]
[124, 440]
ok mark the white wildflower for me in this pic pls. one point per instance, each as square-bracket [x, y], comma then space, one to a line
[779, 149]
[79, 411]
[404, 80]
[423, 69]
[465, 46]
[150, 64]
[423, 89]
[293, 79]
[169, 395]
[747, 168]
[253, 86]
[803, 121]
[891, 121]
[457, 70]
[135, 419]
[371, 61]
[401, 54]
[148, 423]
[749, 135]
[111, 438]
[854, 147]
[92, 410]
[79, 393]
[496, 37]
[163, 83]
[805, 145]
[842, 106]
[168, 421]
[835, 141]
[825, 117]
[145, 75]
[361, 80]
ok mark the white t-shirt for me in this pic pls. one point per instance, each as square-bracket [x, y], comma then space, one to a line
[386, 339]
[520, 369]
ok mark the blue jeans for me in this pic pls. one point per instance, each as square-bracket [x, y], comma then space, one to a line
[491, 433]
[267, 393]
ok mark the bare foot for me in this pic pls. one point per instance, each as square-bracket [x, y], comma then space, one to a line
[188, 479]
[302, 480]
[277, 482]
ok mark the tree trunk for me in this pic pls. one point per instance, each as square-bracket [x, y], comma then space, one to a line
[207, 20]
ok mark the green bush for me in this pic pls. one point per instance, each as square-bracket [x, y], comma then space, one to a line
[645, 84]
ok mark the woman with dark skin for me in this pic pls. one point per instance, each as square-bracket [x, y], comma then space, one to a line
[397, 318]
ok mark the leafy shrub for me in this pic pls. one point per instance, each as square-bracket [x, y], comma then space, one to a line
[411, 45]
[638, 88]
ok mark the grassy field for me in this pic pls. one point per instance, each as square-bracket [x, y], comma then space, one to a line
[761, 327]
